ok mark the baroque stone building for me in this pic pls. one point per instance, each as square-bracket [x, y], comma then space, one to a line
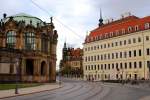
[27, 49]
[71, 63]
[118, 50]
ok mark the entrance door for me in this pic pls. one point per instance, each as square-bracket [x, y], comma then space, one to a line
[29, 66]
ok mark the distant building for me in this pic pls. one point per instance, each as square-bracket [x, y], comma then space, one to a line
[118, 50]
[71, 63]
[27, 49]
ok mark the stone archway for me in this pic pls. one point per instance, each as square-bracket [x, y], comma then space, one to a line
[43, 68]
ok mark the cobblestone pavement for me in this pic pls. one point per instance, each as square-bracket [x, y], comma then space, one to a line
[81, 90]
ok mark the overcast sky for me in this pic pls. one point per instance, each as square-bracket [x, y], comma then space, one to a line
[73, 18]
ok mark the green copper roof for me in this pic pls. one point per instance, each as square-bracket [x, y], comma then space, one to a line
[27, 18]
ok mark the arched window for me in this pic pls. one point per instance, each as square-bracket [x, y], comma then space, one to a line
[29, 40]
[129, 29]
[10, 39]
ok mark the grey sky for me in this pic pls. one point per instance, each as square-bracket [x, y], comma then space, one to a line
[79, 15]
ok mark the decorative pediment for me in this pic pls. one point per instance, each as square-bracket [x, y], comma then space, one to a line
[11, 24]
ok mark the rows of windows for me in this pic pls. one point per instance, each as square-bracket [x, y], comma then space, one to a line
[115, 44]
[116, 66]
[29, 40]
[116, 55]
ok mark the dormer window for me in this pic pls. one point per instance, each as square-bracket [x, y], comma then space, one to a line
[136, 28]
[117, 32]
[129, 29]
[111, 34]
[147, 25]
[123, 31]
[106, 35]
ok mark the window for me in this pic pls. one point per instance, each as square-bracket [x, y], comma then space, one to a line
[91, 67]
[94, 58]
[129, 29]
[140, 53]
[91, 48]
[121, 66]
[91, 58]
[101, 46]
[125, 65]
[125, 54]
[135, 65]
[104, 45]
[116, 55]
[108, 66]
[108, 56]
[134, 53]
[129, 41]
[147, 50]
[147, 38]
[101, 66]
[95, 67]
[112, 44]
[147, 25]
[105, 56]
[101, 57]
[29, 39]
[129, 53]
[11, 39]
[117, 66]
[98, 47]
[112, 66]
[120, 43]
[116, 43]
[112, 55]
[139, 39]
[120, 54]
[130, 65]
[134, 40]
[44, 43]
[94, 47]
[105, 66]
[97, 57]
[125, 42]
[136, 28]
[140, 64]
[148, 65]
[108, 45]
[98, 67]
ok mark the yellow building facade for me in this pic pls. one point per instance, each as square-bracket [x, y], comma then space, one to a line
[118, 50]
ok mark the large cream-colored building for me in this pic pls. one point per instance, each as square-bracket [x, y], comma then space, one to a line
[118, 50]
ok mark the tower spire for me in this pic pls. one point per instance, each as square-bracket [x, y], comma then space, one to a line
[101, 19]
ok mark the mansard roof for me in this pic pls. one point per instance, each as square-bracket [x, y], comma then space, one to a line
[115, 28]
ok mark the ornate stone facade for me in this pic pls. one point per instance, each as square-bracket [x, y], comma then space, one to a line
[28, 49]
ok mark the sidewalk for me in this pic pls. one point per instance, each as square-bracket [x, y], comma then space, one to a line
[29, 90]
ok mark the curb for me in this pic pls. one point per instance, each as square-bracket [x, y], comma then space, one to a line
[30, 93]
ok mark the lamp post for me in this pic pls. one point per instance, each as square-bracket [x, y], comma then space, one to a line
[17, 65]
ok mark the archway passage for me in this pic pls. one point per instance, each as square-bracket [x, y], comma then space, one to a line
[43, 68]
[29, 66]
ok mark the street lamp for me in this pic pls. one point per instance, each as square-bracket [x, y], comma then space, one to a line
[17, 65]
